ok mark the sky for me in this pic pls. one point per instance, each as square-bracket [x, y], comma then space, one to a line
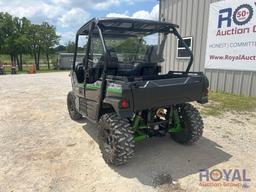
[69, 15]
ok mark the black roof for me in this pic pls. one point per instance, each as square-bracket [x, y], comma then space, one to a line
[126, 27]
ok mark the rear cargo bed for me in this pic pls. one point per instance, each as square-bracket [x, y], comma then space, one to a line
[163, 92]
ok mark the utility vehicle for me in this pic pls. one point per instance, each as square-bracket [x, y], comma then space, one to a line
[119, 85]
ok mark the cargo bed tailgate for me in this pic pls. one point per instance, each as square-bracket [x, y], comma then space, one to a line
[163, 92]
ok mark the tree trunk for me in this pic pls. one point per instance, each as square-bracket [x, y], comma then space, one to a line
[38, 59]
[11, 59]
[35, 57]
[48, 62]
[18, 62]
[13, 69]
[21, 62]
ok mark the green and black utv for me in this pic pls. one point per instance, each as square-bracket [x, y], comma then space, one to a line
[119, 85]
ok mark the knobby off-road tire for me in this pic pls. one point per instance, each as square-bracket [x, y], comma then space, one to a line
[73, 113]
[115, 139]
[192, 125]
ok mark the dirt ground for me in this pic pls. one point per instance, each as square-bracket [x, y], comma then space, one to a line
[42, 149]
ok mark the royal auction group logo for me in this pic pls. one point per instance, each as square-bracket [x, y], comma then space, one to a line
[224, 178]
[232, 21]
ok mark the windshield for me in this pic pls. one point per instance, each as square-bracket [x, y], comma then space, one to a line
[132, 49]
[129, 56]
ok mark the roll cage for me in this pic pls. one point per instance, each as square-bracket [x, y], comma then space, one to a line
[123, 27]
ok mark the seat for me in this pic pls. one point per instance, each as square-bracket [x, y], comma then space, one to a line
[79, 70]
[113, 64]
[151, 55]
[149, 66]
[145, 69]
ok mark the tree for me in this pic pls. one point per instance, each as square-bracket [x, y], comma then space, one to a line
[50, 39]
[70, 47]
[1, 31]
[36, 42]
[8, 36]
[23, 40]
[60, 48]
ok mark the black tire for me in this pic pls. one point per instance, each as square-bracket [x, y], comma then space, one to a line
[115, 139]
[192, 125]
[73, 113]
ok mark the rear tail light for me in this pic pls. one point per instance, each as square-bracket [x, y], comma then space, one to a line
[124, 104]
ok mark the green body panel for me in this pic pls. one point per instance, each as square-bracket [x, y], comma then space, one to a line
[96, 86]
[177, 122]
[140, 138]
[137, 124]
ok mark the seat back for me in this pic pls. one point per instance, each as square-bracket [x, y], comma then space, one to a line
[79, 70]
[112, 67]
[145, 69]
[153, 57]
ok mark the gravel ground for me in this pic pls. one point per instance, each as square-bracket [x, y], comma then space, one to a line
[41, 149]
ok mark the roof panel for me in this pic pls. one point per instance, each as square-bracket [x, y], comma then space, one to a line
[127, 26]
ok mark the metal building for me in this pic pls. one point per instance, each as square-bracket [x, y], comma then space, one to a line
[192, 17]
[65, 60]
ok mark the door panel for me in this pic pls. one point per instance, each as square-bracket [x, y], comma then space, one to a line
[92, 99]
[90, 103]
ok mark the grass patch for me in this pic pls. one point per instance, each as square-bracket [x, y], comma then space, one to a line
[223, 102]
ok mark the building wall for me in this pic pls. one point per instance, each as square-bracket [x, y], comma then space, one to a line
[192, 17]
[65, 60]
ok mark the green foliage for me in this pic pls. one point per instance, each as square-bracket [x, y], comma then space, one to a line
[60, 48]
[19, 36]
[222, 102]
[8, 33]
[49, 36]
[22, 41]
[70, 47]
